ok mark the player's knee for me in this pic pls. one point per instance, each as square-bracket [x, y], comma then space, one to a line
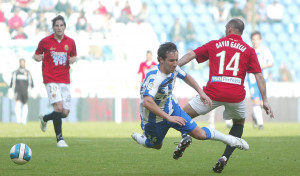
[198, 134]
[65, 113]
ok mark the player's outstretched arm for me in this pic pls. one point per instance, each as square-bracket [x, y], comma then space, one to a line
[186, 58]
[152, 106]
[262, 88]
[203, 97]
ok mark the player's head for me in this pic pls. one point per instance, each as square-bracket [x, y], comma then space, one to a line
[256, 39]
[58, 26]
[22, 63]
[167, 56]
[234, 26]
[149, 55]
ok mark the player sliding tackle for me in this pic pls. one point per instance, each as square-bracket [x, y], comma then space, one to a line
[160, 111]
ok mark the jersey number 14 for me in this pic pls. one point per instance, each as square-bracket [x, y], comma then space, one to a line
[232, 65]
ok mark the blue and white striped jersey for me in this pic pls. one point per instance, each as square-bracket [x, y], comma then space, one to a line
[159, 86]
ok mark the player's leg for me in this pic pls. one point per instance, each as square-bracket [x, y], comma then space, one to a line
[257, 112]
[24, 113]
[24, 107]
[18, 111]
[154, 134]
[64, 108]
[236, 111]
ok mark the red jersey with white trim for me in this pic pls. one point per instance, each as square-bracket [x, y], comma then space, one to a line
[56, 58]
[144, 67]
[230, 58]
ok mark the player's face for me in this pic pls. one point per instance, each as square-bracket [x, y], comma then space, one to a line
[59, 28]
[22, 64]
[256, 41]
[170, 63]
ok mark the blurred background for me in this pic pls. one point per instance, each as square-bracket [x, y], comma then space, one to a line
[112, 37]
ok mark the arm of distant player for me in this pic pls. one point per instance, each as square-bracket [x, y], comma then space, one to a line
[72, 60]
[152, 106]
[203, 97]
[262, 88]
[187, 58]
[38, 57]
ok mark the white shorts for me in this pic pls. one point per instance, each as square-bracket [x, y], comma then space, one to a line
[59, 92]
[232, 110]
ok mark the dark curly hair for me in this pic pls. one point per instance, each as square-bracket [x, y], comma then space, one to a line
[164, 49]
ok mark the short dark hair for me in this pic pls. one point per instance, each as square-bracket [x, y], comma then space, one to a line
[238, 24]
[148, 51]
[164, 49]
[59, 17]
[255, 33]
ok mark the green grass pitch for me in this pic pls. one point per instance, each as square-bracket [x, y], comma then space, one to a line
[107, 149]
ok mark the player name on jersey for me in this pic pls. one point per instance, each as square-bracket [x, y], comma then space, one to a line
[232, 44]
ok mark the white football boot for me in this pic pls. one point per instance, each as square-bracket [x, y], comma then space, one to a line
[62, 143]
[238, 143]
[43, 123]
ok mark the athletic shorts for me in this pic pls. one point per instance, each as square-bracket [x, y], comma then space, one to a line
[253, 87]
[156, 132]
[232, 110]
[22, 96]
[59, 92]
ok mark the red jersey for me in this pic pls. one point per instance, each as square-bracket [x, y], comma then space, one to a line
[56, 58]
[230, 58]
[144, 67]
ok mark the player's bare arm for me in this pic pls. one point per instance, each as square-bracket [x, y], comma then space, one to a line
[152, 106]
[38, 57]
[262, 88]
[186, 58]
[72, 60]
[203, 97]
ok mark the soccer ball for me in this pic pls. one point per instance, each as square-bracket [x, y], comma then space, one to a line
[20, 153]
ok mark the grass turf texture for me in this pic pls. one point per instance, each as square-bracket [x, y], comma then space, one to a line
[107, 149]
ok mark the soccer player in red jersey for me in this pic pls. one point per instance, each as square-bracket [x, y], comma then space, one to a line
[57, 52]
[146, 65]
[230, 59]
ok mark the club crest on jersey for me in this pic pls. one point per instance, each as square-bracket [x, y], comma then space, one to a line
[66, 47]
[150, 86]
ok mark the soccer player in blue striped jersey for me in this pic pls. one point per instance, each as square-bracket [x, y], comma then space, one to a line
[160, 111]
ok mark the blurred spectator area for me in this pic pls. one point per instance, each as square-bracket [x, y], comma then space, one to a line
[114, 41]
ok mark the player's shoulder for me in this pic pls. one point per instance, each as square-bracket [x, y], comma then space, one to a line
[69, 38]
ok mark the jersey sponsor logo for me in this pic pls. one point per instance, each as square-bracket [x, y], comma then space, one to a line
[226, 79]
[59, 58]
[66, 47]
[52, 48]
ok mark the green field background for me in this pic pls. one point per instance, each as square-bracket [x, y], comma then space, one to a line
[107, 149]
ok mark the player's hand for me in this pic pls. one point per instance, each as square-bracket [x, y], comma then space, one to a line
[11, 93]
[176, 119]
[205, 99]
[72, 59]
[39, 57]
[268, 109]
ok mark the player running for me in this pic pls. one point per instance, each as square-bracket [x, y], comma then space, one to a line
[57, 52]
[230, 58]
[265, 60]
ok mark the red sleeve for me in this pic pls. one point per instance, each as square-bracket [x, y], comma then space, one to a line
[140, 69]
[40, 48]
[254, 66]
[74, 51]
[202, 53]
